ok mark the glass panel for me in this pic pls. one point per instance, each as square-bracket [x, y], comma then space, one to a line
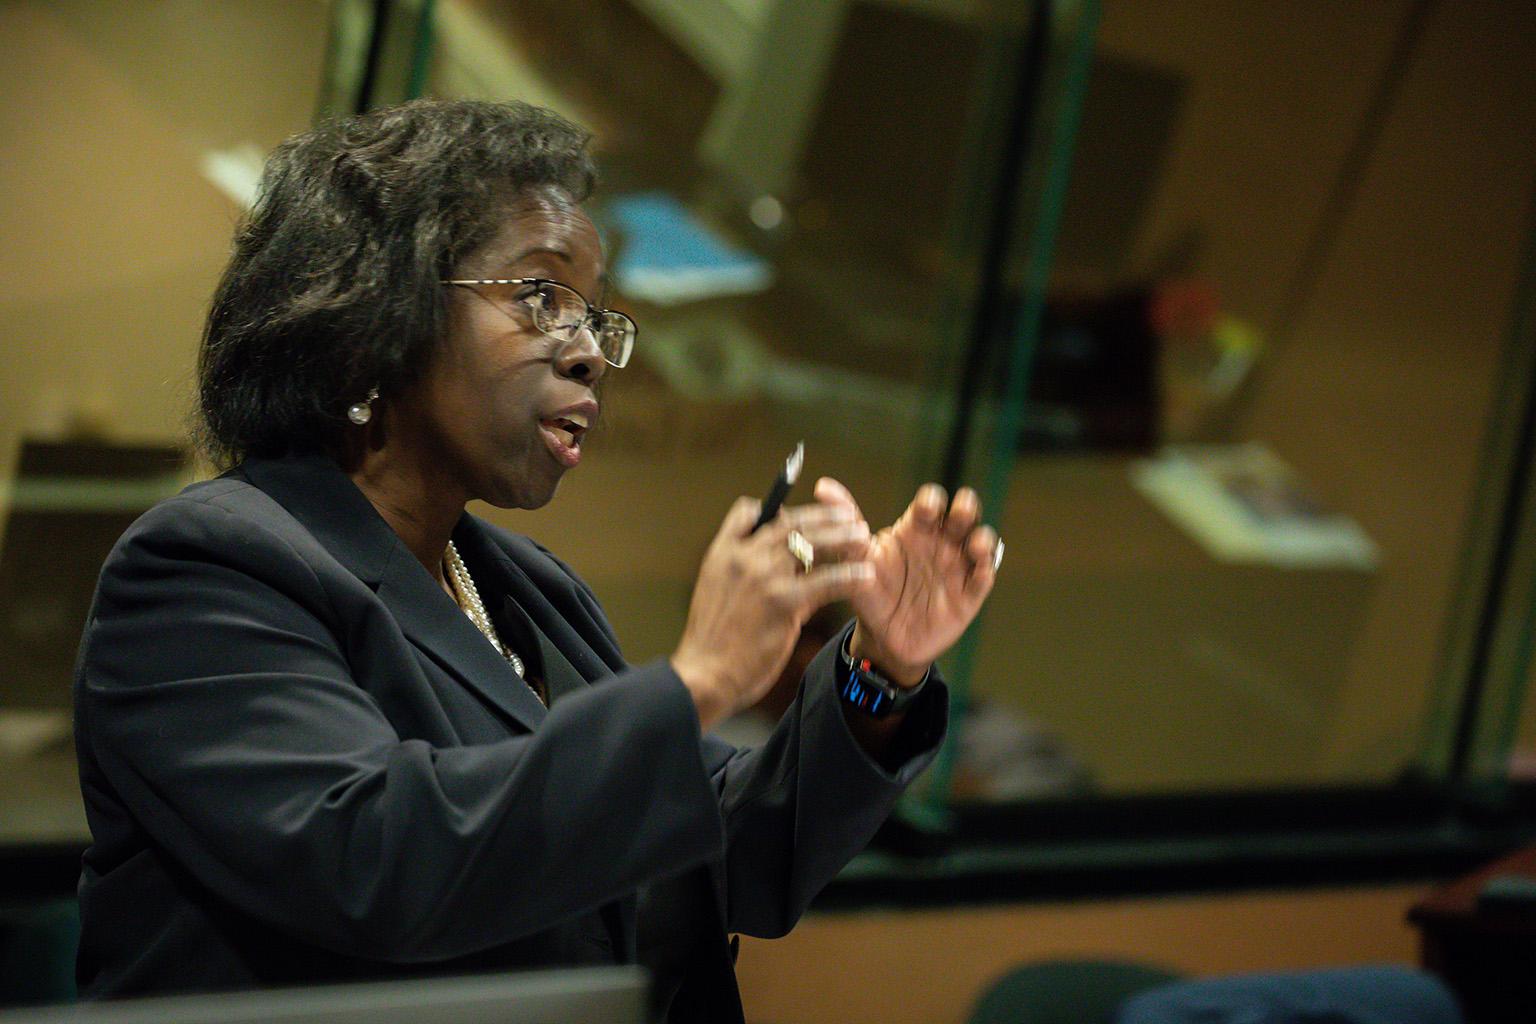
[780, 194]
[134, 133]
[1257, 406]
[1502, 544]
[1263, 268]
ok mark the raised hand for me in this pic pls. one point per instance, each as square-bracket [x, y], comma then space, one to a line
[753, 595]
[933, 569]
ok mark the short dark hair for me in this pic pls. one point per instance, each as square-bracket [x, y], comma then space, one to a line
[332, 289]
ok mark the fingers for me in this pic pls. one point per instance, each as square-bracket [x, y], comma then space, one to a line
[740, 519]
[814, 517]
[964, 514]
[827, 583]
[927, 509]
[984, 549]
[837, 542]
[963, 535]
[834, 528]
[834, 531]
[931, 510]
[837, 533]
[832, 492]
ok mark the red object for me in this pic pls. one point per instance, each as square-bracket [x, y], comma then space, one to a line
[1183, 307]
[1483, 950]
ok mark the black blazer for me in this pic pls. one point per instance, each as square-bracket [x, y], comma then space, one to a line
[301, 762]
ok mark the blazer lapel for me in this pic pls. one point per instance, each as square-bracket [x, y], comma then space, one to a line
[590, 653]
[435, 624]
[328, 504]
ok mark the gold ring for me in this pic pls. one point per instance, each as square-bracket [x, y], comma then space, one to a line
[801, 549]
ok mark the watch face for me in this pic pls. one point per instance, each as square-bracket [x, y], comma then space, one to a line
[864, 689]
[865, 698]
[873, 695]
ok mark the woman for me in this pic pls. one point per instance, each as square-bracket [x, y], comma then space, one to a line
[330, 726]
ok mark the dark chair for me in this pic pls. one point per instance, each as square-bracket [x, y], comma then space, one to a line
[1065, 992]
[37, 951]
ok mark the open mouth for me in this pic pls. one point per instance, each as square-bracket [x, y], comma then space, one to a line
[568, 430]
[563, 435]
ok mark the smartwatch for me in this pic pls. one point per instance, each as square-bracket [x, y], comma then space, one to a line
[862, 687]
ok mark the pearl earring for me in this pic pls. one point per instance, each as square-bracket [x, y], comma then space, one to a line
[361, 412]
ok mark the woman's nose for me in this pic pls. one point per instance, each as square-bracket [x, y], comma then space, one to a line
[580, 358]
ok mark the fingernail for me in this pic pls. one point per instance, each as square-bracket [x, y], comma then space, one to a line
[997, 555]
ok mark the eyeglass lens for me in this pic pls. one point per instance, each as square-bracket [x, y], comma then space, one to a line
[560, 312]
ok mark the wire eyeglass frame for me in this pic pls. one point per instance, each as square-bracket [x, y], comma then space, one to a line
[616, 347]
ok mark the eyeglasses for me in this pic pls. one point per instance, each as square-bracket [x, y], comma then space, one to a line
[560, 312]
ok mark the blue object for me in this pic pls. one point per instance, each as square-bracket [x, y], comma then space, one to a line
[668, 256]
[1383, 994]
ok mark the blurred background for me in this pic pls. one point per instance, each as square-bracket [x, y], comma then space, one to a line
[1225, 308]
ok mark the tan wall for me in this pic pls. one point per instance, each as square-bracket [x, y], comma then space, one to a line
[1383, 398]
[929, 967]
[113, 239]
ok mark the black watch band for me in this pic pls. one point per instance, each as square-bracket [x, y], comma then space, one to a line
[859, 685]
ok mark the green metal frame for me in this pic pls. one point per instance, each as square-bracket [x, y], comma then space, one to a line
[379, 52]
[1060, 109]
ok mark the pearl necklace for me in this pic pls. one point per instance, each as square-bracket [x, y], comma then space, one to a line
[468, 597]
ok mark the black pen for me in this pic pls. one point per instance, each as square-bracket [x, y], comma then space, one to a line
[781, 485]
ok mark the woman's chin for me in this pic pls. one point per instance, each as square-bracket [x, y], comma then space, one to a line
[524, 493]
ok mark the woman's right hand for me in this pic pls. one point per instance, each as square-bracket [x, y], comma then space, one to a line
[752, 596]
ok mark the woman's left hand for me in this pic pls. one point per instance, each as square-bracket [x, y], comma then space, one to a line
[933, 569]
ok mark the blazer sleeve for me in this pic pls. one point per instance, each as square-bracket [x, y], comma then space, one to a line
[798, 808]
[218, 708]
